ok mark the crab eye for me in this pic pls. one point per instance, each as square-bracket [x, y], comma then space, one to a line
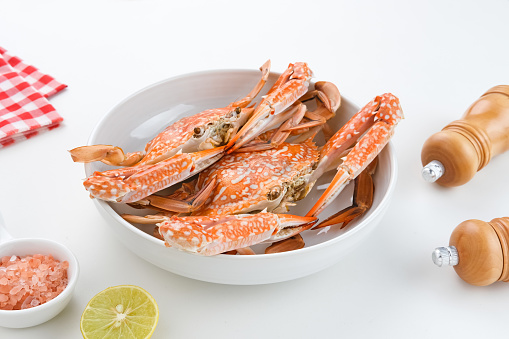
[274, 193]
[234, 113]
[198, 132]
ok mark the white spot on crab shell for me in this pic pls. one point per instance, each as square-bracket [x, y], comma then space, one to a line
[238, 179]
[233, 196]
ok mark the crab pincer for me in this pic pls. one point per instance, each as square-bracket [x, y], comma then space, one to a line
[374, 124]
[289, 87]
[132, 184]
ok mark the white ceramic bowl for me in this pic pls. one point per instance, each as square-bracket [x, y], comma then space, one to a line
[136, 120]
[30, 246]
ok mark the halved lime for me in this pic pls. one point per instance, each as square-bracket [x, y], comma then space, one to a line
[123, 311]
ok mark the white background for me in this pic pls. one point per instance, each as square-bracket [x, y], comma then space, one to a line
[436, 56]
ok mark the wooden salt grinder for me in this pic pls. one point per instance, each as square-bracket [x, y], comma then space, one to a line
[478, 250]
[452, 156]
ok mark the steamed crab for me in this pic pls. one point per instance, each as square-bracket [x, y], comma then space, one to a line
[193, 143]
[214, 224]
[180, 151]
[270, 180]
[166, 162]
[246, 182]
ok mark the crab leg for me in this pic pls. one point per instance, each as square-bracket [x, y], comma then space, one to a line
[174, 204]
[362, 199]
[327, 93]
[290, 86]
[214, 235]
[244, 102]
[277, 137]
[146, 220]
[108, 154]
[380, 116]
[132, 184]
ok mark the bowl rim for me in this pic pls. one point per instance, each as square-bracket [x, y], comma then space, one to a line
[363, 224]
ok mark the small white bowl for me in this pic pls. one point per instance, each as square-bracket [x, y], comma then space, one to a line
[30, 246]
[140, 117]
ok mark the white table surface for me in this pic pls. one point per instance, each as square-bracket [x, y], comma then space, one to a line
[436, 56]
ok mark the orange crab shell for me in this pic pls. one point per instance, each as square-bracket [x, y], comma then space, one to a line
[245, 179]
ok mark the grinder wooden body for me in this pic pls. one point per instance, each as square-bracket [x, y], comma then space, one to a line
[465, 146]
[482, 250]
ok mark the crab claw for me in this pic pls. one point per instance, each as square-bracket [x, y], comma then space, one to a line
[132, 184]
[290, 86]
[377, 119]
[214, 235]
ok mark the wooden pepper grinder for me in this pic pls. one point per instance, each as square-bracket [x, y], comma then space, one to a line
[452, 156]
[478, 250]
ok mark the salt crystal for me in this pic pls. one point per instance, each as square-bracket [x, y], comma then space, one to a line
[16, 289]
[30, 281]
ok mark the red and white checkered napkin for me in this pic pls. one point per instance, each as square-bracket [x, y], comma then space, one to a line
[24, 107]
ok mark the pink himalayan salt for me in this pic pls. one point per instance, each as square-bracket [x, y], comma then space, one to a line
[30, 281]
